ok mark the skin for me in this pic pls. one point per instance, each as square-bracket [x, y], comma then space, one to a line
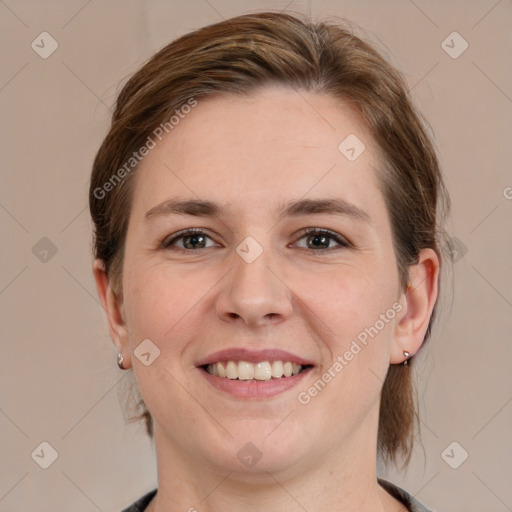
[252, 155]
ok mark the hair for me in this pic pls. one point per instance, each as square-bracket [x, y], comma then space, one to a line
[240, 55]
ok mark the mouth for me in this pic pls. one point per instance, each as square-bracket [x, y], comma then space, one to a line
[247, 371]
[254, 374]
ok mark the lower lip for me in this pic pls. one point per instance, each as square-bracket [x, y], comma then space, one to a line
[255, 388]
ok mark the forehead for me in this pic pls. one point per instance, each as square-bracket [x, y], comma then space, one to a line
[278, 143]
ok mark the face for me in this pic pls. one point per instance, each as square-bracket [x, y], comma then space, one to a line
[274, 273]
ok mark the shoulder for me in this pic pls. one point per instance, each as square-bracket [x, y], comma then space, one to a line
[407, 499]
[402, 495]
[141, 504]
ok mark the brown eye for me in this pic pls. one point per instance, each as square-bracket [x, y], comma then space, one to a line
[320, 240]
[190, 240]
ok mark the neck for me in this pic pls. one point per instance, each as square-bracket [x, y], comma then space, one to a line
[344, 481]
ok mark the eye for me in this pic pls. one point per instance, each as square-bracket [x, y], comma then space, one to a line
[192, 239]
[319, 240]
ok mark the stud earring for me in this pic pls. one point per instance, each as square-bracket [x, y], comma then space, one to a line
[406, 355]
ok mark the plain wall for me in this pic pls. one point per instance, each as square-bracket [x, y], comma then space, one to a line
[58, 377]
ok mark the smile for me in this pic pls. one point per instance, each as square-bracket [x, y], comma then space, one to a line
[253, 374]
[245, 370]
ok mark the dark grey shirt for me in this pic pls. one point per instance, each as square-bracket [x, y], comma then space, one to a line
[412, 504]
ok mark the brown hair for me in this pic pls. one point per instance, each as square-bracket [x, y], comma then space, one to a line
[239, 55]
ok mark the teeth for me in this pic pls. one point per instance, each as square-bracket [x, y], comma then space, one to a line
[243, 370]
[232, 370]
[277, 369]
[262, 371]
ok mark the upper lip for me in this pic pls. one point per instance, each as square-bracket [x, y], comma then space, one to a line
[253, 356]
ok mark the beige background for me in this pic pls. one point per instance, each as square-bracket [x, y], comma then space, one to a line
[59, 380]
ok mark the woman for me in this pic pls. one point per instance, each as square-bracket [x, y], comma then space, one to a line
[267, 208]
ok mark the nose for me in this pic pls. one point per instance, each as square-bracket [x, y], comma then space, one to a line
[254, 294]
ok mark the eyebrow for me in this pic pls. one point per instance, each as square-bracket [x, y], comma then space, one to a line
[297, 208]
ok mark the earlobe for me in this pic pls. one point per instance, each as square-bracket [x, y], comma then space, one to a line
[113, 306]
[419, 299]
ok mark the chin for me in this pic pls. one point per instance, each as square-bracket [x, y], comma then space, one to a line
[253, 455]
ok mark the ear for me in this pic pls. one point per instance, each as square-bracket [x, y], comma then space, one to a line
[418, 303]
[113, 306]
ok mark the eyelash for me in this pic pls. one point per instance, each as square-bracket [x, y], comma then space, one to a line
[166, 243]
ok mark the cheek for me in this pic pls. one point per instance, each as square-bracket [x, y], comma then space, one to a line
[348, 300]
[355, 317]
[155, 302]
